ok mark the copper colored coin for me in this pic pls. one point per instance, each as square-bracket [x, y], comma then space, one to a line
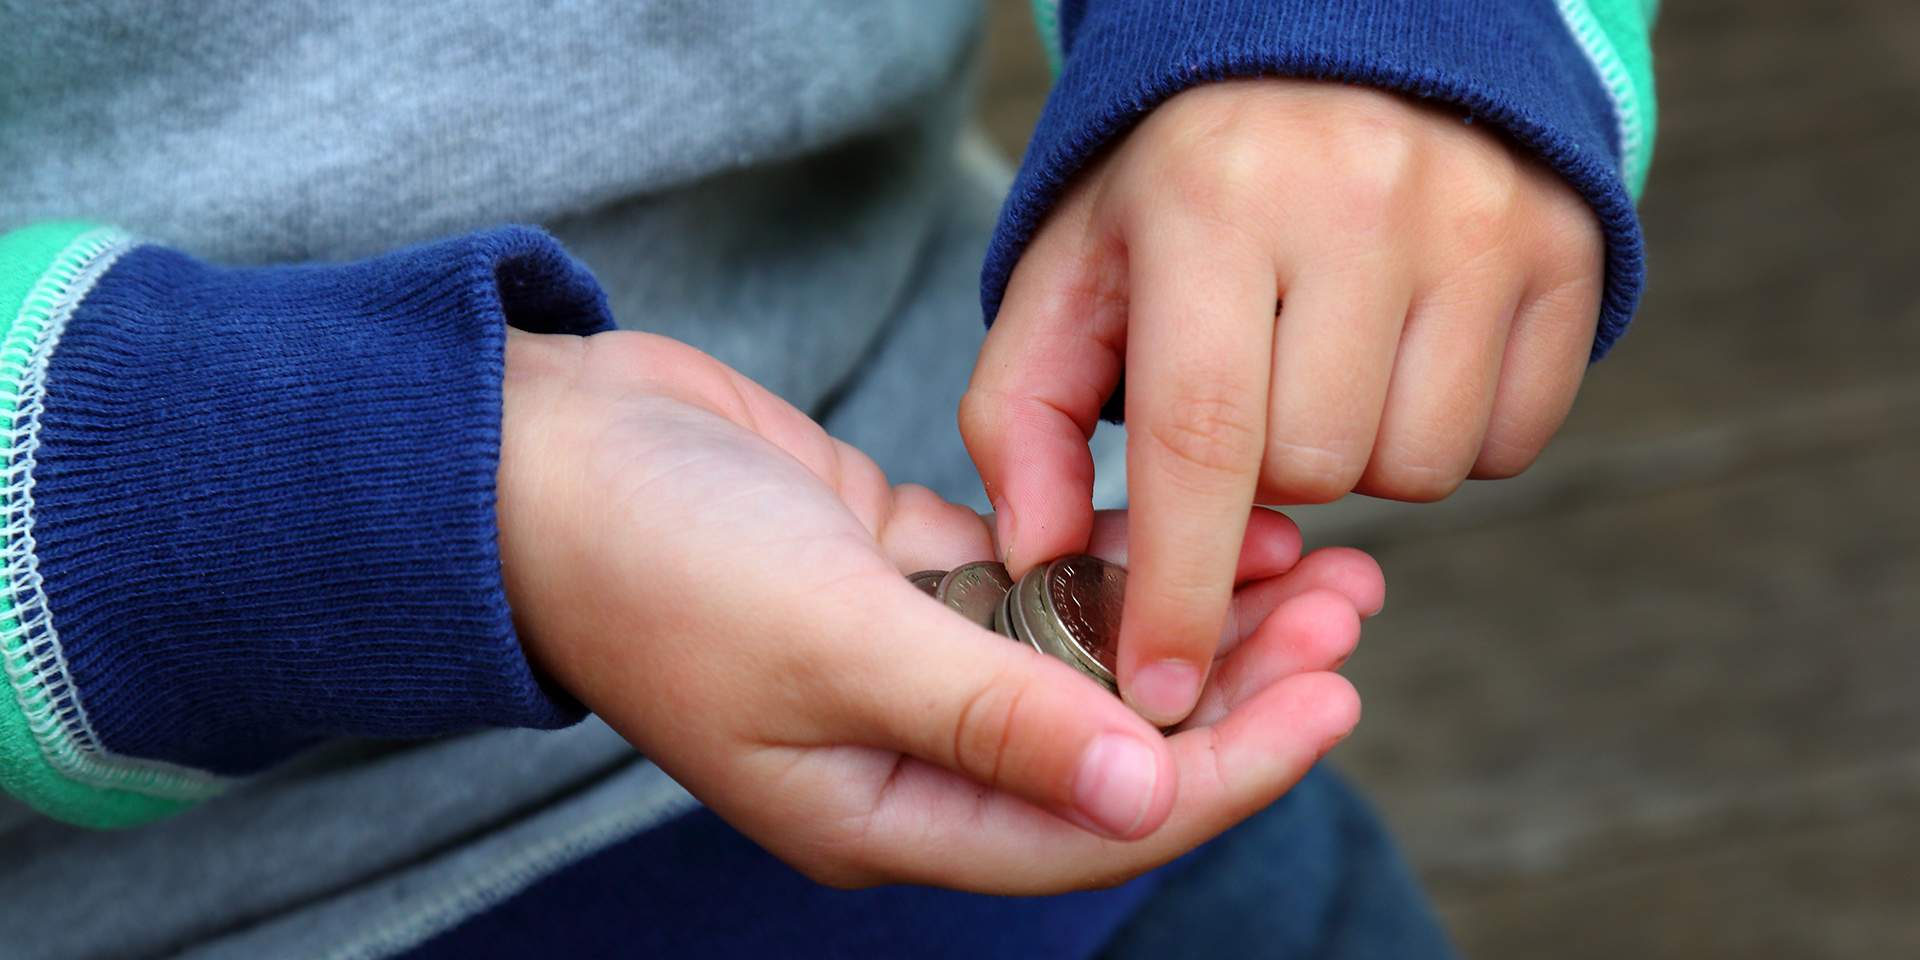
[975, 590]
[1082, 598]
[927, 580]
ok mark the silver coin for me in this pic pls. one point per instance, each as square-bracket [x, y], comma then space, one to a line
[1002, 624]
[1043, 630]
[1017, 616]
[1081, 599]
[927, 580]
[975, 590]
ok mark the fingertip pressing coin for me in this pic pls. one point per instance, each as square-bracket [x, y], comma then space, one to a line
[1068, 609]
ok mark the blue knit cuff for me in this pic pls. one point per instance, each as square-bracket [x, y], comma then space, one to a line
[1507, 63]
[263, 499]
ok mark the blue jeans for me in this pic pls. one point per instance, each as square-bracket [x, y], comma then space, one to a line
[1314, 877]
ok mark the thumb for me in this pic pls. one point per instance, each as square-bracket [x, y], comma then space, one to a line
[997, 712]
[1049, 363]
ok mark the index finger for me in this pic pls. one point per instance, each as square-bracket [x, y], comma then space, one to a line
[1199, 355]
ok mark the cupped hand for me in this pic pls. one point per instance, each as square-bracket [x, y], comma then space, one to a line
[1310, 289]
[702, 566]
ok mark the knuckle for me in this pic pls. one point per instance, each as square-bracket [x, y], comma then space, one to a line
[1568, 231]
[1480, 208]
[1376, 170]
[1209, 433]
[979, 413]
[1371, 110]
[983, 734]
[1575, 247]
[1305, 473]
[1221, 175]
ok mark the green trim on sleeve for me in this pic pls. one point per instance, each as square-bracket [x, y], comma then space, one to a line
[1046, 16]
[49, 756]
[1616, 37]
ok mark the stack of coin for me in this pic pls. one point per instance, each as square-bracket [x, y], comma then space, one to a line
[1068, 609]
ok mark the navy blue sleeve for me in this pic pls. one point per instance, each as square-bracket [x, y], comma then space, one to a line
[1512, 64]
[263, 499]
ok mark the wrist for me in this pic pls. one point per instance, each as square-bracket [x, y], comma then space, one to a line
[531, 499]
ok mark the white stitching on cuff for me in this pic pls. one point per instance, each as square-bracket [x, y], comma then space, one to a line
[30, 647]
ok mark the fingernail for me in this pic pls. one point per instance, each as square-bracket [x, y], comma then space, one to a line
[1164, 692]
[1003, 528]
[1115, 784]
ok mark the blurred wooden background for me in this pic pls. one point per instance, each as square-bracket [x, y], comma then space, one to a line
[1660, 698]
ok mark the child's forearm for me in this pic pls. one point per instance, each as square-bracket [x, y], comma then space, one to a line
[251, 509]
